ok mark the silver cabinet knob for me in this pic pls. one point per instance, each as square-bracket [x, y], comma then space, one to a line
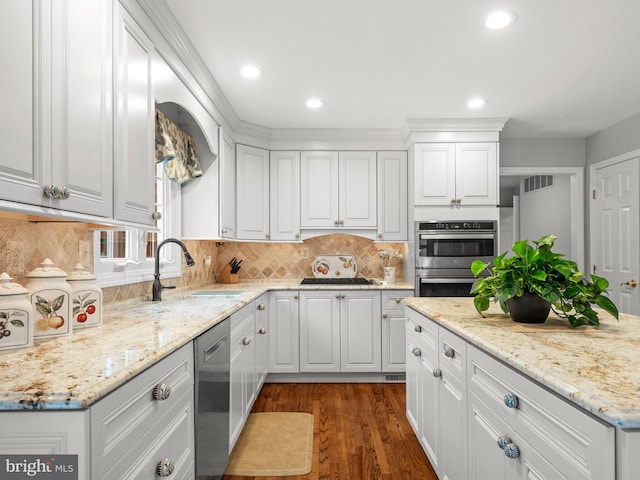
[156, 215]
[165, 468]
[246, 341]
[262, 306]
[384, 315]
[162, 391]
[297, 236]
[448, 351]
[417, 328]
[437, 372]
[380, 235]
[56, 192]
[511, 450]
[224, 230]
[336, 223]
[341, 222]
[296, 297]
[416, 351]
[398, 300]
[511, 401]
[503, 441]
[267, 236]
[262, 331]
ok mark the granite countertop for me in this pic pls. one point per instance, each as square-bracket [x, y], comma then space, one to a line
[75, 371]
[597, 369]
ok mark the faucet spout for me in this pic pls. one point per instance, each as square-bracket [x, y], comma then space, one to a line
[157, 285]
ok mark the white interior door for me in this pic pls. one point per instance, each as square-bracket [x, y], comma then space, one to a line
[616, 231]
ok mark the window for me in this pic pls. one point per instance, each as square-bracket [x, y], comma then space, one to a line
[123, 256]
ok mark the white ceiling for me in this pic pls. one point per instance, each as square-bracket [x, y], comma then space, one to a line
[566, 68]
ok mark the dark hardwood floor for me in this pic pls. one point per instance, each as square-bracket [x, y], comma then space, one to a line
[360, 430]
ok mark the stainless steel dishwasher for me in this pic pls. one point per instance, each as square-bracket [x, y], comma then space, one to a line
[212, 355]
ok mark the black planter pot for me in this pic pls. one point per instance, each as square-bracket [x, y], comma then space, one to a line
[529, 308]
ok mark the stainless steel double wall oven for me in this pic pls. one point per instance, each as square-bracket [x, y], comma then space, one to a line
[444, 252]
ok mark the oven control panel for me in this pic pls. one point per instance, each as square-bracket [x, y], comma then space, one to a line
[489, 225]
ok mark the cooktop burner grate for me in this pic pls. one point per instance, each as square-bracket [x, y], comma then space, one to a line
[335, 281]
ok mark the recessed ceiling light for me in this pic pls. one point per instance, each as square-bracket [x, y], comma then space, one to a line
[500, 19]
[249, 71]
[314, 103]
[476, 103]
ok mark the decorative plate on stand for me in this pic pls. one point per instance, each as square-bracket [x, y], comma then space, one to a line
[334, 266]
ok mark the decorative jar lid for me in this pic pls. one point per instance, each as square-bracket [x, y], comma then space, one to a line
[46, 270]
[7, 287]
[80, 274]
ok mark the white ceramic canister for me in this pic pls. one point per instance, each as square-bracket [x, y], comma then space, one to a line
[50, 295]
[16, 315]
[86, 298]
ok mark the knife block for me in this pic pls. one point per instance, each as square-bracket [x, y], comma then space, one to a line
[225, 275]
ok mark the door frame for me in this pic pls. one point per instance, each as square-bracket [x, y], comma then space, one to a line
[576, 181]
[592, 186]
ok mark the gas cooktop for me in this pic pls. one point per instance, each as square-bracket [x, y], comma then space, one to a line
[335, 281]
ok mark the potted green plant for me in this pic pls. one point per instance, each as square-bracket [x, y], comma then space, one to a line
[536, 274]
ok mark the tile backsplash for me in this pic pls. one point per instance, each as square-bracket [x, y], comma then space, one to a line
[24, 244]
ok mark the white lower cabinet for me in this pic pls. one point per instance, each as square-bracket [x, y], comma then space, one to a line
[283, 338]
[340, 331]
[263, 332]
[393, 330]
[478, 418]
[436, 394]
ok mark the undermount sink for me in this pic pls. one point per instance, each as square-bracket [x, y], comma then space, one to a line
[335, 281]
[216, 293]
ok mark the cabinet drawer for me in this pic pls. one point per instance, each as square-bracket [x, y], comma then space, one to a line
[130, 414]
[452, 351]
[175, 443]
[423, 332]
[578, 445]
[392, 299]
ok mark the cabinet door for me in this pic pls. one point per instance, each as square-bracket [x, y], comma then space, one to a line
[135, 120]
[320, 331]
[284, 191]
[82, 138]
[430, 437]
[392, 197]
[393, 341]
[319, 190]
[361, 334]
[263, 332]
[453, 427]
[476, 174]
[414, 378]
[227, 186]
[252, 193]
[435, 174]
[283, 337]
[357, 199]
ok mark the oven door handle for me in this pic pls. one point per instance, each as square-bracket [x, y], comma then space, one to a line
[448, 280]
[459, 236]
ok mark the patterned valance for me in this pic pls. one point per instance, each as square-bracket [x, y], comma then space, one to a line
[177, 150]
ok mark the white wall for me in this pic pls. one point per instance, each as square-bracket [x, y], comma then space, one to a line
[542, 152]
[620, 138]
[547, 212]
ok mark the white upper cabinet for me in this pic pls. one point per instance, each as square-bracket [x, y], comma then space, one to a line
[56, 112]
[284, 194]
[338, 190]
[252, 193]
[456, 174]
[227, 174]
[135, 120]
[392, 197]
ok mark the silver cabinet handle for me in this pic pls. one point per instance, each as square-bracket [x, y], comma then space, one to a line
[416, 351]
[511, 450]
[511, 401]
[341, 222]
[262, 331]
[56, 192]
[448, 351]
[297, 236]
[246, 341]
[165, 468]
[336, 223]
[162, 391]
[156, 215]
[380, 235]
[398, 299]
[384, 315]
[267, 236]
[262, 306]
[417, 328]
[437, 372]
[295, 297]
[503, 441]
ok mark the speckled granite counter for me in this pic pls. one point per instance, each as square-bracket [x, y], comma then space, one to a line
[598, 369]
[75, 371]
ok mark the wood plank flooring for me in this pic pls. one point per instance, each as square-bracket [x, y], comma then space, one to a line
[360, 430]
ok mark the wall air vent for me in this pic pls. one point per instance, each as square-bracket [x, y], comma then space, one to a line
[537, 182]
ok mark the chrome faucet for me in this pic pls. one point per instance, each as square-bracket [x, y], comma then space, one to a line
[157, 286]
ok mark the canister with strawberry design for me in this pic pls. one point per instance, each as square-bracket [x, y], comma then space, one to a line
[16, 315]
[50, 295]
[86, 298]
